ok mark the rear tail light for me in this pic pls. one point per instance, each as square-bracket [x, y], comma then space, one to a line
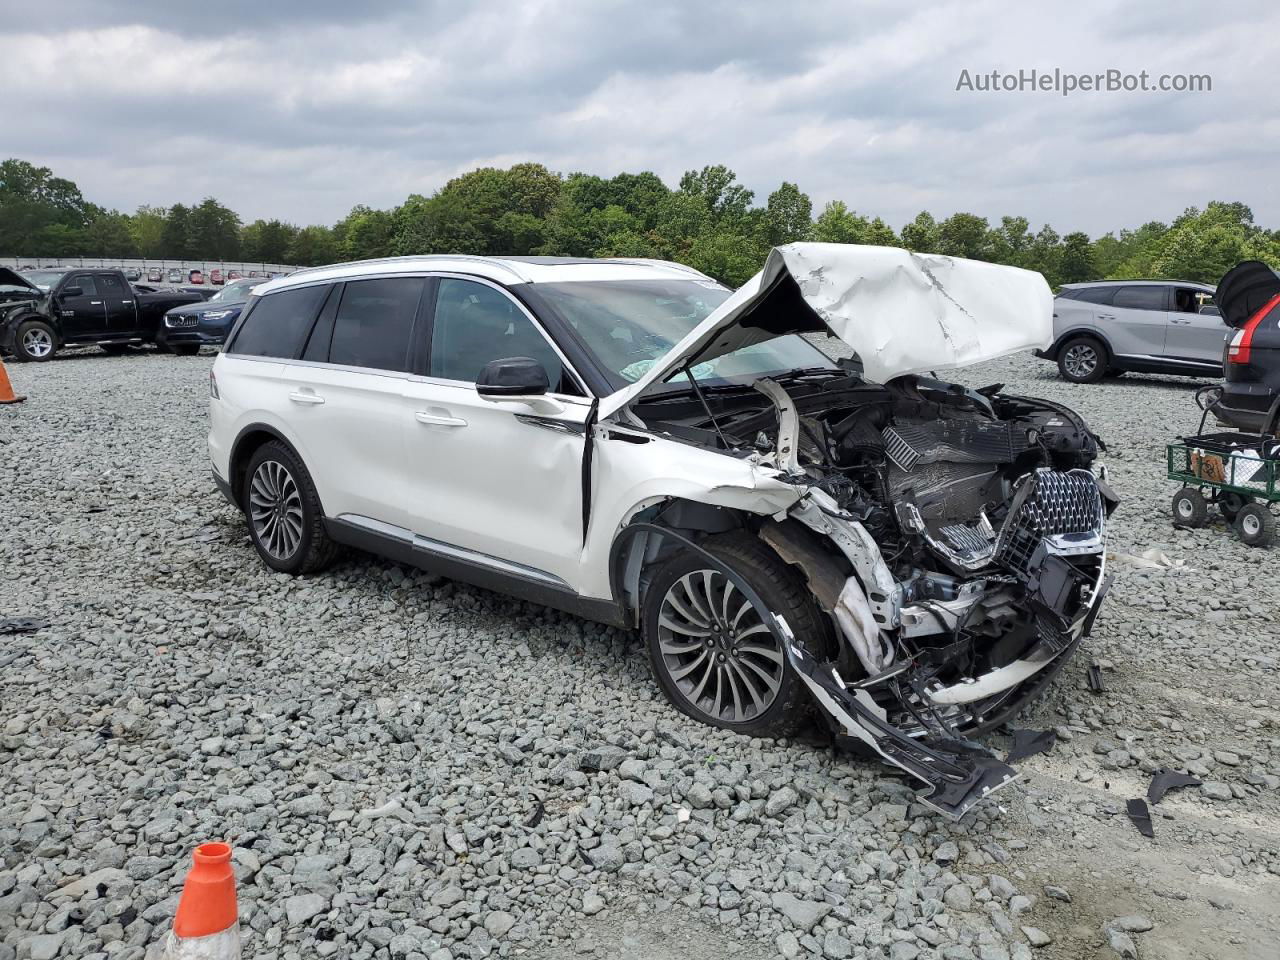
[1241, 347]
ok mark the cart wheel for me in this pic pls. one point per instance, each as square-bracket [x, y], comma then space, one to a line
[1255, 526]
[1230, 505]
[1189, 508]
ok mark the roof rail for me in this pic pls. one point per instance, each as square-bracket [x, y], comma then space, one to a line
[1090, 283]
[492, 261]
[654, 262]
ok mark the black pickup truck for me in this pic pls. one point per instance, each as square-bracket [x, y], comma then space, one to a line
[83, 307]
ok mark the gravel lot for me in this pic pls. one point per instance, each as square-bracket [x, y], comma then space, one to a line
[413, 768]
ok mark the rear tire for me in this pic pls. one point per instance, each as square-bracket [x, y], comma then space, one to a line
[35, 342]
[1082, 360]
[1255, 526]
[1230, 505]
[286, 521]
[1189, 508]
[708, 647]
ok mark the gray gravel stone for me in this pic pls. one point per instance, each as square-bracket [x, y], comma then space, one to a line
[303, 907]
[802, 913]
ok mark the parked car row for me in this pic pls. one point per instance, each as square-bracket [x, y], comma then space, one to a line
[46, 310]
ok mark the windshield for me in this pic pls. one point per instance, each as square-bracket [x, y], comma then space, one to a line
[44, 279]
[628, 325]
[235, 292]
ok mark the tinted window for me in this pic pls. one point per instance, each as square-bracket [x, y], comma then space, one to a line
[1094, 294]
[85, 282]
[474, 324]
[374, 323]
[110, 286]
[277, 324]
[1141, 298]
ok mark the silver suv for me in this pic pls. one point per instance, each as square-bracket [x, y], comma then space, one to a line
[1148, 326]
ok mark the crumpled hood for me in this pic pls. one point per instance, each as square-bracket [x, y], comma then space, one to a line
[11, 278]
[901, 312]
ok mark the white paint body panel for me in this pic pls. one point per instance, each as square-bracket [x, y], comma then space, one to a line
[901, 312]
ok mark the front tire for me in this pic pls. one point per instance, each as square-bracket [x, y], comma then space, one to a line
[35, 342]
[1189, 508]
[286, 522]
[710, 650]
[1082, 360]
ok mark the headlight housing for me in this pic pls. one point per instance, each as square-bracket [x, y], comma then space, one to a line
[218, 314]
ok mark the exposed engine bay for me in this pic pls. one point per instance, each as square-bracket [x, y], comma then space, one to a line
[954, 536]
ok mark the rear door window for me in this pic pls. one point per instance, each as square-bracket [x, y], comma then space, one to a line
[110, 285]
[1142, 298]
[277, 324]
[374, 323]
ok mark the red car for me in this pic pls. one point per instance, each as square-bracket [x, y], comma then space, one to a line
[233, 275]
[195, 276]
[215, 277]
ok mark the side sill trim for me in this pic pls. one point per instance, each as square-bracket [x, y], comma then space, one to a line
[396, 543]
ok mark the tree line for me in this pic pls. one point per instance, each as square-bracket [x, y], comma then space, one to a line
[709, 221]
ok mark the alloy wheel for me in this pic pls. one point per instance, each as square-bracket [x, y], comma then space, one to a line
[1080, 360]
[275, 509]
[37, 343]
[717, 649]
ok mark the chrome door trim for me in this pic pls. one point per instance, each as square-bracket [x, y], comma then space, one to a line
[403, 535]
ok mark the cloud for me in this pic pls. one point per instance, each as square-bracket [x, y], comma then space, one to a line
[302, 110]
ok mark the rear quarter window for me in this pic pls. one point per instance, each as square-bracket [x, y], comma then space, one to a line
[277, 325]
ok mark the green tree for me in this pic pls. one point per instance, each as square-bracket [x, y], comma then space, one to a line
[788, 215]
[108, 235]
[177, 234]
[365, 234]
[964, 235]
[33, 202]
[312, 247]
[146, 227]
[921, 234]
[213, 232]
[838, 224]
[718, 188]
[267, 241]
[1076, 263]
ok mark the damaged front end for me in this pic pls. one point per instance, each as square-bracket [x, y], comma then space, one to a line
[954, 537]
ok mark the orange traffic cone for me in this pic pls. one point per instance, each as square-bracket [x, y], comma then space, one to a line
[206, 926]
[6, 388]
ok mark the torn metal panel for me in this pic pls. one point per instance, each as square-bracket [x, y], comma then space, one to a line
[900, 312]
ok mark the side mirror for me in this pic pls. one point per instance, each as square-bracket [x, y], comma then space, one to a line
[512, 378]
[72, 291]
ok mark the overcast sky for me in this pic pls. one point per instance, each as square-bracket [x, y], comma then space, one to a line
[300, 109]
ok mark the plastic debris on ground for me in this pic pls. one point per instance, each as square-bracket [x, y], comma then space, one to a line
[1165, 780]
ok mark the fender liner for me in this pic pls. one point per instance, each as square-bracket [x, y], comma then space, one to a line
[957, 773]
[1052, 352]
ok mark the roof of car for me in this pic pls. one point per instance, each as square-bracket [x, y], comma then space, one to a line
[1134, 283]
[499, 269]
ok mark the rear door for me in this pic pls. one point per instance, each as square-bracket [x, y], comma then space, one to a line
[82, 313]
[1193, 335]
[118, 302]
[1137, 320]
[345, 396]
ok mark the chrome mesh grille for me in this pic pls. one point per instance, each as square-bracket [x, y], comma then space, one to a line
[1051, 504]
[182, 320]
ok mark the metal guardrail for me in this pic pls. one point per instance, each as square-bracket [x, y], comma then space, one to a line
[244, 266]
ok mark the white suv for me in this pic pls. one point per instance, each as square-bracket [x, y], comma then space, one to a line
[631, 441]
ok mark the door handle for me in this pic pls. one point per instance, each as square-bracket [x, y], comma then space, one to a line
[300, 397]
[1186, 322]
[95, 303]
[1106, 316]
[438, 420]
